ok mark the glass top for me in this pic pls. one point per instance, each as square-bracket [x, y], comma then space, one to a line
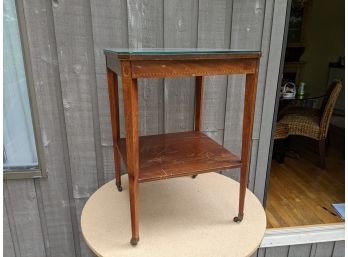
[142, 51]
[304, 97]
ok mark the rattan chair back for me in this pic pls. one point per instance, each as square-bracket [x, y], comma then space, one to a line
[327, 107]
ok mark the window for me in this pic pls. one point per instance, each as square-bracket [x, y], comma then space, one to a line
[20, 156]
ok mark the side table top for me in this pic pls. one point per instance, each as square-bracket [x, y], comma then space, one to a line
[135, 51]
[189, 53]
[178, 217]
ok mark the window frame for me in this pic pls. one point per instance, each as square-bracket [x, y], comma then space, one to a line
[40, 172]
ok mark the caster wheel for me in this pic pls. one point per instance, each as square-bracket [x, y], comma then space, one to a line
[237, 219]
[119, 188]
[134, 241]
[194, 176]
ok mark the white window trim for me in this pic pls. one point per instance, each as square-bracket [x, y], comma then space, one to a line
[303, 235]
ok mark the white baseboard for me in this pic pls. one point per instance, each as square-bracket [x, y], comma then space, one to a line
[303, 235]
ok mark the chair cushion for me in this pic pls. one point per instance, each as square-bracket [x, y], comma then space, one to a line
[302, 121]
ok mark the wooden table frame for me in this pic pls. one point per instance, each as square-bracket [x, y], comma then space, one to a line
[134, 66]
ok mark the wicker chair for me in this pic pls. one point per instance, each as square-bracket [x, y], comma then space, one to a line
[313, 123]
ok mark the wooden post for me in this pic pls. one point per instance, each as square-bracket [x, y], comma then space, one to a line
[248, 120]
[130, 97]
[199, 103]
[115, 124]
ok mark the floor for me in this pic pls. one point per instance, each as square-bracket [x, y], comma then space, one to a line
[300, 193]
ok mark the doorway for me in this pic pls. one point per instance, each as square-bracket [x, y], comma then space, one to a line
[301, 190]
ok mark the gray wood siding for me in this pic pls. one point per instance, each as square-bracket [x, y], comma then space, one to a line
[326, 249]
[66, 42]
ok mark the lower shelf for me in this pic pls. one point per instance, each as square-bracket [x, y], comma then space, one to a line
[180, 154]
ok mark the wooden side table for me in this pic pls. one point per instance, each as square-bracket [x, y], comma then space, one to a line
[157, 157]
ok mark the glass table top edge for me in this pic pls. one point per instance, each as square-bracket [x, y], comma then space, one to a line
[176, 51]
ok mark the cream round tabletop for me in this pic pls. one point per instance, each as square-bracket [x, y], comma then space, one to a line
[178, 217]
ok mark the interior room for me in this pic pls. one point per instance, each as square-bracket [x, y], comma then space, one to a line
[307, 171]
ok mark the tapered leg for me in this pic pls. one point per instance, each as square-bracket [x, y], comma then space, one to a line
[134, 207]
[130, 97]
[199, 96]
[249, 107]
[199, 103]
[115, 123]
[322, 148]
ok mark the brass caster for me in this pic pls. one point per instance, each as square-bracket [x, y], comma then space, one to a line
[119, 188]
[238, 219]
[134, 241]
[194, 176]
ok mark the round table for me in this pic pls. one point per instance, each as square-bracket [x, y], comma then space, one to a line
[178, 217]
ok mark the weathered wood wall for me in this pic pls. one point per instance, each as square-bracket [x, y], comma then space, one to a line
[66, 39]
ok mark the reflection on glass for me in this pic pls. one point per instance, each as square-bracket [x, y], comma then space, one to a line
[19, 149]
[176, 51]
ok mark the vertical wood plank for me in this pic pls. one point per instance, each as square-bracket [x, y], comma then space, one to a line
[265, 41]
[145, 29]
[322, 249]
[246, 33]
[73, 31]
[42, 216]
[279, 251]
[180, 30]
[9, 248]
[110, 30]
[253, 160]
[232, 137]
[263, 68]
[217, 135]
[22, 198]
[300, 250]
[94, 100]
[214, 28]
[247, 21]
[338, 250]
[261, 252]
[72, 37]
[59, 208]
[271, 80]
[12, 225]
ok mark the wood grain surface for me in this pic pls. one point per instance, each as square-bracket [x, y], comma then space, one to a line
[180, 154]
[301, 193]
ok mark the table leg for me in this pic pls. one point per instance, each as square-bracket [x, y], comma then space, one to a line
[115, 123]
[249, 107]
[130, 97]
[199, 103]
[199, 97]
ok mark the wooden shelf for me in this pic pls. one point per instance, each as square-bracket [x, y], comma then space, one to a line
[180, 154]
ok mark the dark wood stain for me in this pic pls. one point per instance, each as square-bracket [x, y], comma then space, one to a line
[178, 154]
